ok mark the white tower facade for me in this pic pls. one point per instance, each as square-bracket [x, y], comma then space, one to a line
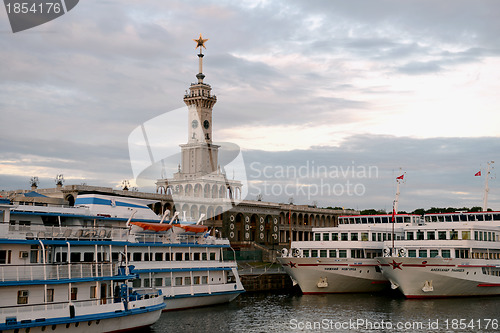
[200, 181]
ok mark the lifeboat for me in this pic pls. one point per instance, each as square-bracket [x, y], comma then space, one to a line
[156, 227]
[190, 228]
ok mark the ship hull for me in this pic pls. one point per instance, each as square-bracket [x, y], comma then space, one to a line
[439, 277]
[328, 275]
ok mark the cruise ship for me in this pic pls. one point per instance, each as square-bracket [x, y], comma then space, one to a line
[51, 279]
[452, 254]
[342, 259]
[180, 259]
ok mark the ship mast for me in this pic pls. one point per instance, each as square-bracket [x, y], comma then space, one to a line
[486, 188]
[399, 180]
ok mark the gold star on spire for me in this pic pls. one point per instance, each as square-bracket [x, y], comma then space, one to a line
[200, 42]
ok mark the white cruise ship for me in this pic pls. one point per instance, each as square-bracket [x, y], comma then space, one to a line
[454, 254]
[181, 260]
[342, 259]
[50, 280]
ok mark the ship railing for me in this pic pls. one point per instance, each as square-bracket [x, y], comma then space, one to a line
[43, 311]
[56, 271]
[169, 238]
[37, 231]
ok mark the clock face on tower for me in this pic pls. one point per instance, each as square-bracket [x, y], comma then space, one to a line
[206, 124]
[194, 123]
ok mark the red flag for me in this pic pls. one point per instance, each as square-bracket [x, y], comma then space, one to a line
[393, 213]
[478, 174]
[401, 177]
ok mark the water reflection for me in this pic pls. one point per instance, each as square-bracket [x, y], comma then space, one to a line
[296, 312]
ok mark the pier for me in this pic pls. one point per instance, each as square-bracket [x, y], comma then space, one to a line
[264, 277]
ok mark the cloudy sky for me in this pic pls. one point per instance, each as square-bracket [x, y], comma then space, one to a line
[327, 99]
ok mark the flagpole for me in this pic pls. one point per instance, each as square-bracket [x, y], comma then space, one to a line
[486, 188]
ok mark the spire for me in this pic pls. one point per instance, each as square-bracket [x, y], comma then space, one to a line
[200, 43]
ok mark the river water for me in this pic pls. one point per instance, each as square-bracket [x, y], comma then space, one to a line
[294, 312]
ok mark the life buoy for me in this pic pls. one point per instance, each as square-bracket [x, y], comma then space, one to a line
[402, 252]
[284, 252]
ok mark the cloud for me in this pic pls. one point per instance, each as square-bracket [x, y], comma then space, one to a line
[330, 81]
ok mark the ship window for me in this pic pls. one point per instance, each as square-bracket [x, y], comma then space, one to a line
[147, 256]
[76, 256]
[136, 283]
[377, 220]
[314, 253]
[74, 294]
[434, 253]
[442, 235]
[385, 219]
[204, 279]
[412, 253]
[93, 293]
[487, 217]
[465, 234]
[317, 236]
[342, 253]
[196, 256]
[3, 256]
[88, 257]
[496, 217]
[431, 235]
[333, 253]
[357, 254]
[343, 236]
[420, 235]
[462, 253]
[364, 236]
[364, 220]
[178, 257]
[186, 256]
[147, 283]
[196, 280]
[212, 255]
[322, 253]
[137, 256]
[326, 236]
[158, 282]
[204, 256]
[167, 256]
[384, 236]
[399, 219]
[445, 253]
[168, 282]
[453, 234]
[187, 281]
[422, 253]
[335, 236]
[379, 236]
[306, 253]
[50, 295]
[374, 237]
[409, 235]
[447, 218]
[354, 236]
[159, 256]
